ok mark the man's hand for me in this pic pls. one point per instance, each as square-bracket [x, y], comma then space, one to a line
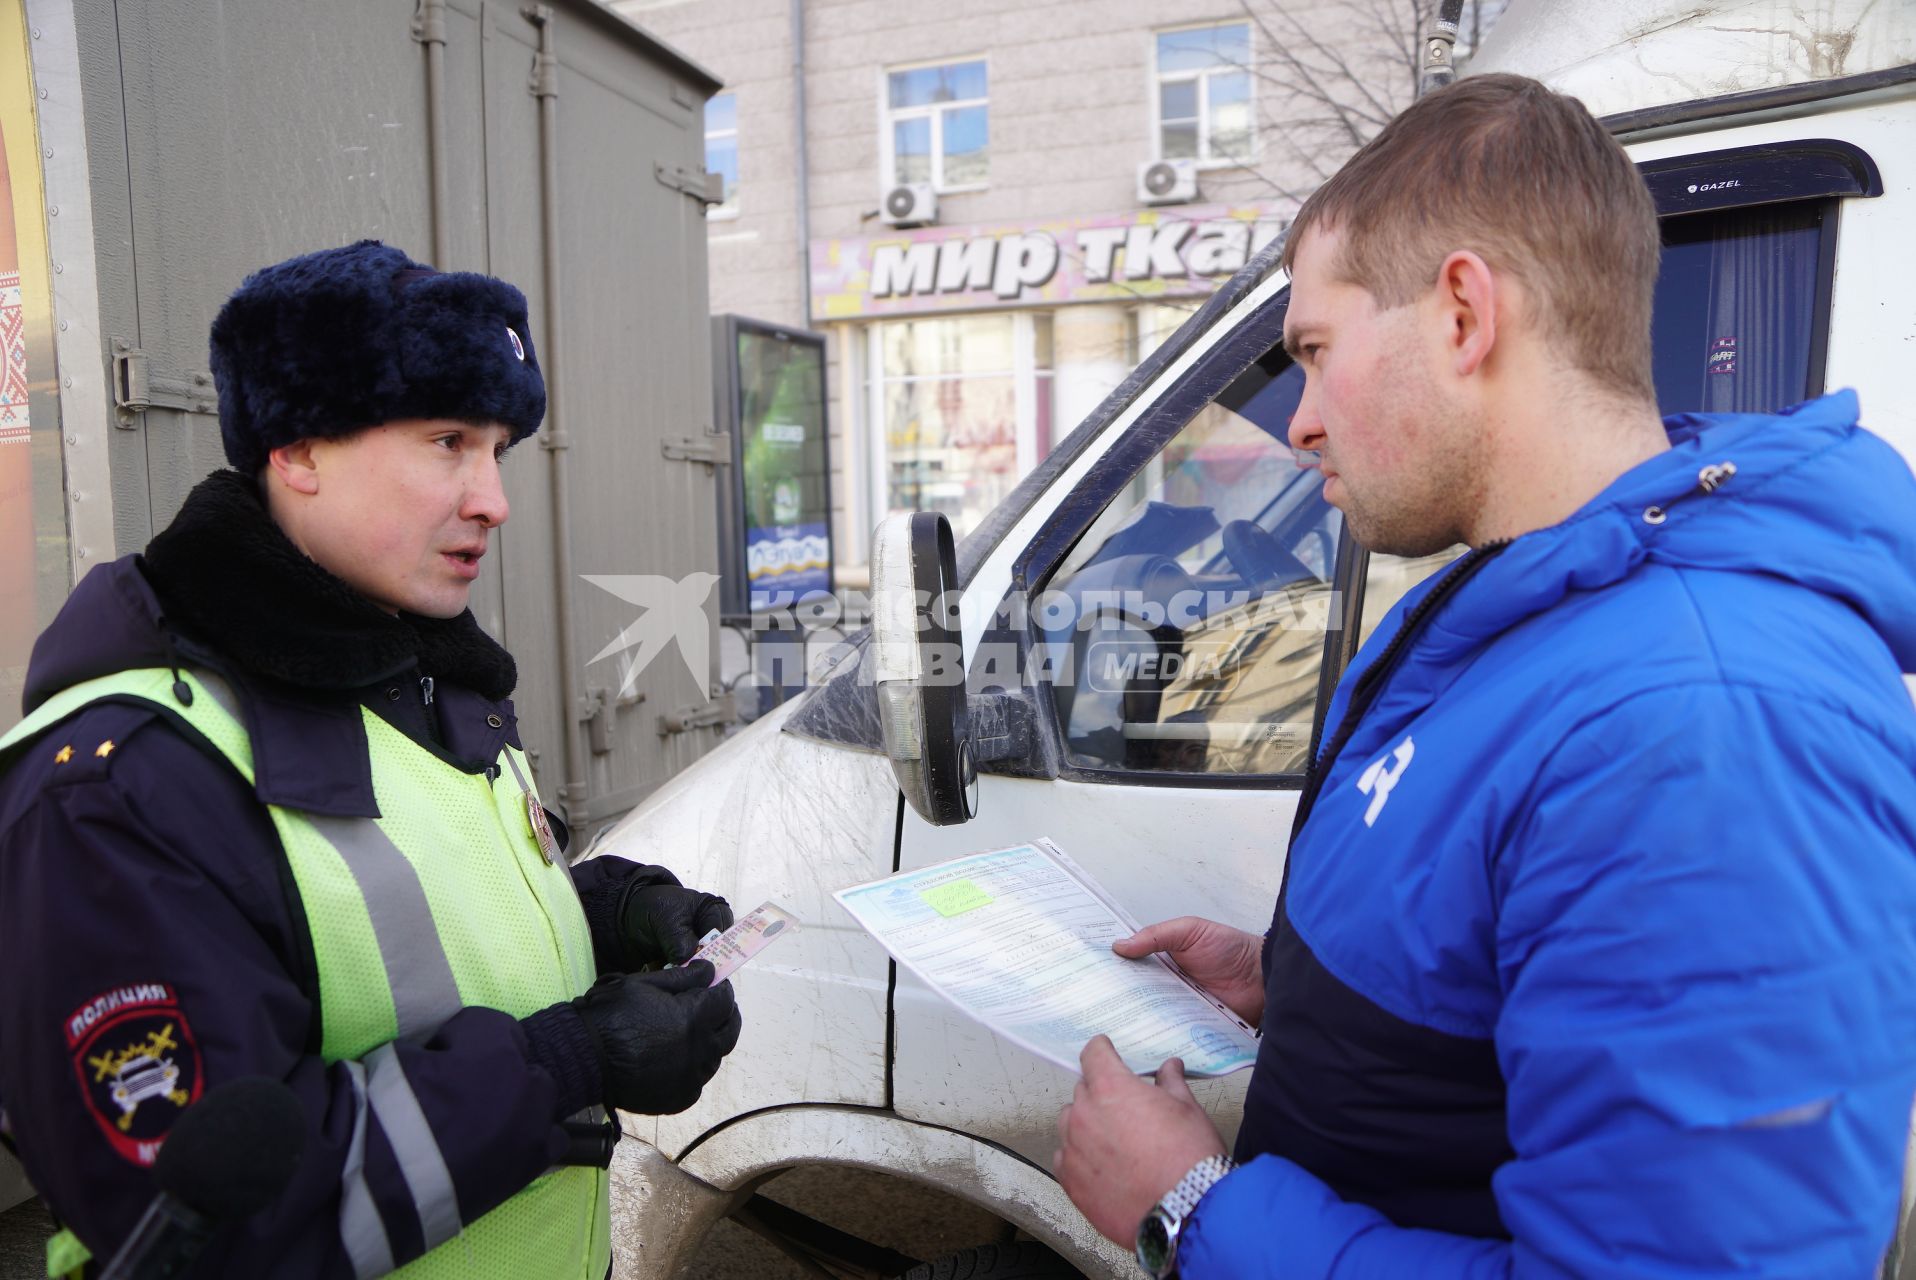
[1124, 1141]
[662, 923]
[1224, 961]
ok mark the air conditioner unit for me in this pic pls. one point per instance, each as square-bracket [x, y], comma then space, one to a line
[1167, 182]
[910, 204]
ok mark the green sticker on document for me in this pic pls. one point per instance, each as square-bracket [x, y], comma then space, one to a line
[956, 898]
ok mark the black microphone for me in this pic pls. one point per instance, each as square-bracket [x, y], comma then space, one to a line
[225, 1159]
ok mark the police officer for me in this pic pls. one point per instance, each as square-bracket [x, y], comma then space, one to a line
[268, 814]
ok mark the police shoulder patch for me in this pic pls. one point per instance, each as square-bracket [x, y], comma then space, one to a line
[138, 1065]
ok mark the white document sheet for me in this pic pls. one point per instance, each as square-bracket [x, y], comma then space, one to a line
[1020, 939]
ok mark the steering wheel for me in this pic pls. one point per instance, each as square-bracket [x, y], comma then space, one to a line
[1093, 711]
[1260, 559]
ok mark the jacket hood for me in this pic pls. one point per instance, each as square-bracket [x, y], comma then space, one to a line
[1806, 495]
[223, 586]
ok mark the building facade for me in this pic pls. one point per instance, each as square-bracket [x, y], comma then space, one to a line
[994, 209]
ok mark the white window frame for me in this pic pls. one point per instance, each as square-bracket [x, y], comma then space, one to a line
[728, 210]
[851, 460]
[1025, 389]
[1205, 160]
[935, 112]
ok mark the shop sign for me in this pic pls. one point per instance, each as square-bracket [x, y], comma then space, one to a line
[1156, 253]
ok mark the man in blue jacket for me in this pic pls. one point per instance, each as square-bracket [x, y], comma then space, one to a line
[268, 814]
[1596, 949]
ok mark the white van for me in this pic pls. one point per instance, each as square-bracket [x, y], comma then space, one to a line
[1780, 143]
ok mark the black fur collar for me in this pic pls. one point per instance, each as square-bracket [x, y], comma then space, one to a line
[230, 579]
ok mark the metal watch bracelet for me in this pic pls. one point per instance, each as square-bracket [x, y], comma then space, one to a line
[1157, 1244]
[1181, 1199]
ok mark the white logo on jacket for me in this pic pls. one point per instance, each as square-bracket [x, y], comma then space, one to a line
[1377, 781]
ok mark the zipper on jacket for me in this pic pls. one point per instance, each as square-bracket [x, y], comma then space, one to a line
[425, 689]
[1708, 480]
[1371, 683]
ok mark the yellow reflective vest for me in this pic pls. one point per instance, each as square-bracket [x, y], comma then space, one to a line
[444, 901]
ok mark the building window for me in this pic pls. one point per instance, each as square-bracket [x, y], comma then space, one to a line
[721, 150]
[1154, 322]
[936, 126]
[1205, 100]
[961, 411]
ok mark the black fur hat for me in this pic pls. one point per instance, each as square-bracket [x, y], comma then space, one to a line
[330, 342]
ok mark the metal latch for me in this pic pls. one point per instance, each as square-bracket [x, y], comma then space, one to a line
[598, 708]
[706, 188]
[136, 389]
[713, 448]
[718, 711]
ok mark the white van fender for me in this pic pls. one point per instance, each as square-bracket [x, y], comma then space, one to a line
[661, 1211]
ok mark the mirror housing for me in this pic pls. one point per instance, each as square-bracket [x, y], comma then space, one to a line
[919, 666]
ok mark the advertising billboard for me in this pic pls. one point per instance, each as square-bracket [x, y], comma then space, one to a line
[775, 535]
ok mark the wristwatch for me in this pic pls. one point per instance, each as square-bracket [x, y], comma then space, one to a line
[1158, 1233]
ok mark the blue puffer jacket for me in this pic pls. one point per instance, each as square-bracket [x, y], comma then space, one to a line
[1597, 951]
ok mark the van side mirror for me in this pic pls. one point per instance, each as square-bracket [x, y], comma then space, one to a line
[919, 666]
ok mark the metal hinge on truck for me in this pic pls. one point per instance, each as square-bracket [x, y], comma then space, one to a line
[136, 388]
[713, 448]
[709, 715]
[706, 188]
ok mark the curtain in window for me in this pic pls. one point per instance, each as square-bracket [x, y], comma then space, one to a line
[1761, 295]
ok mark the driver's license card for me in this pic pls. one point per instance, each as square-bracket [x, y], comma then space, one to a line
[750, 934]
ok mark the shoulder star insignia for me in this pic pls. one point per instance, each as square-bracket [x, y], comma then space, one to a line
[104, 750]
[63, 755]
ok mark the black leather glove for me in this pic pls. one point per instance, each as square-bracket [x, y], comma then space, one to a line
[660, 1036]
[662, 923]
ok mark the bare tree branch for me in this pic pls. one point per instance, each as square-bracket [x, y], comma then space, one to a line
[1331, 73]
[1300, 78]
[1331, 80]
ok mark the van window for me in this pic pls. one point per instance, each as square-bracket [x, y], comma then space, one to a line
[1389, 579]
[1185, 630]
[1736, 309]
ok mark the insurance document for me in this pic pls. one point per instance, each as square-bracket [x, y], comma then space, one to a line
[1020, 939]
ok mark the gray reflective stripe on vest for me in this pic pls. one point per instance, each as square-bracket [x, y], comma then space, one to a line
[361, 1229]
[417, 971]
[222, 693]
[420, 1161]
[518, 775]
[425, 995]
